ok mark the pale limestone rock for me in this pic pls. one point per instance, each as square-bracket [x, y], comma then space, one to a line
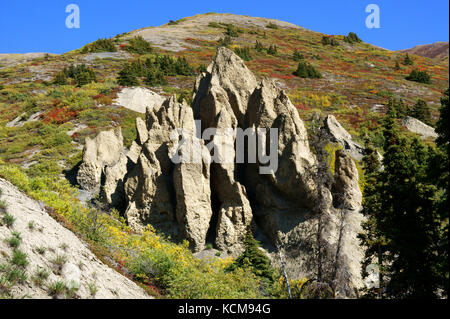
[418, 127]
[103, 150]
[113, 188]
[346, 192]
[220, 101]
[340, 135]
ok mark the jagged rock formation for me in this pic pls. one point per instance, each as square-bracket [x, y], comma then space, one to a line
[103, 150]
[340, 135]
[207, 187]
[165, 194]
[345, 187]
[416, 126]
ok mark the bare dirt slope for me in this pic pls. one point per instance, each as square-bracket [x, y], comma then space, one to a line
[54, 249]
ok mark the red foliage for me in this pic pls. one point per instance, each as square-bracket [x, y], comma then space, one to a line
[59, 115]
[301, 106]
[282, 76]
[96, 97]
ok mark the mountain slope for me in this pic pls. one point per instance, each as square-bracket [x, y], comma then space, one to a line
[437, 50]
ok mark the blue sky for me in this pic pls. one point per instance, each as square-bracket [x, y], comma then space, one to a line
[39, 26]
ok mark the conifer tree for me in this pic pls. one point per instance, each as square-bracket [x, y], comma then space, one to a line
[254, 259]
[421, 111]
[404, 225]
[407, 60]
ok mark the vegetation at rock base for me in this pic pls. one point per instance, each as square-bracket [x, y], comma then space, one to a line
[254, 259]
[226, 41]
[421, 111]
[244, 53]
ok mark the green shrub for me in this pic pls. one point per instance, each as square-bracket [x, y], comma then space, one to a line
[244, 53]
[81, 74]
[153, 70]
[306, 70]
[56, 288]
[225, 41]
[297, 56]
[352, 38]
[272, 49]
[201, 68]
[19, 258]
[40, 275]
[407, 60]
[419, 76]
[8, 220]
[232, 31]
[14, 241]
[139, 45]
[326, 40]
[213, 24]
[101, 45]
[272, 25]
[421, 111]
[127, 78]
[254, 260]
[259, 47]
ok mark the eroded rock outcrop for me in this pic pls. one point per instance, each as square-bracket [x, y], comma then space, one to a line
[207, 188]
[346, 192]
[340, 135]
[104, 150]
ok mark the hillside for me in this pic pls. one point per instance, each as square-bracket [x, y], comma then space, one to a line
[437, 50]
[53, 107]
[53, 257]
